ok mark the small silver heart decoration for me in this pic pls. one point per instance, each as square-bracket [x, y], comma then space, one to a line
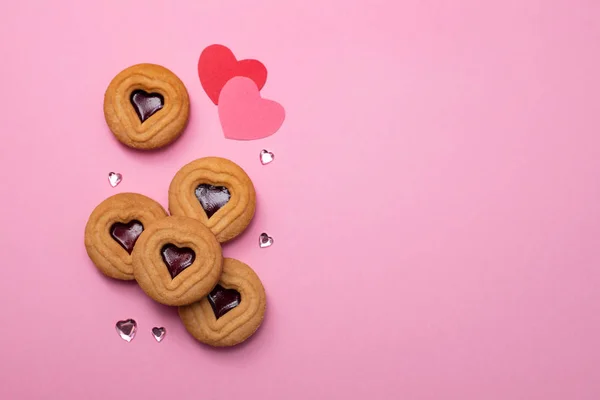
[265, 240]
[114, 178]
[159, 333]
[266, 157]
[127, 329]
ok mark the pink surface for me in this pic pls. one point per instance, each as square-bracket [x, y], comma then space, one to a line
[435, 199]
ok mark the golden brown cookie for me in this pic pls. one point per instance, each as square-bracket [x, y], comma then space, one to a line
[232, 312]
[146, 106]
[113, 229]
[177, 261]
[216, 192]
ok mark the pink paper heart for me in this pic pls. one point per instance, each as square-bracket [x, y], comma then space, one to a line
[244, 114]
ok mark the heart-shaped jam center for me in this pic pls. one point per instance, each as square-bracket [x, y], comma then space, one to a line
[177, 259]
[223, 300]
[212, 198]
[146, 104]
[126, 234]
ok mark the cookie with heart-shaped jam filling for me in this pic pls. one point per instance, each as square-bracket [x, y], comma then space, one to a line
[217, 192]
[113, 228]
[177, 261]
[146, 106]
[233, 310]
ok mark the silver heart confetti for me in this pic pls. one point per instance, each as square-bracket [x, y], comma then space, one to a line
[159, 333]
[265, 240]
[266, 157]
[114, 178]
[127, 329]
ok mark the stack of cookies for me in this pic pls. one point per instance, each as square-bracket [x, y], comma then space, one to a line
[177, 259]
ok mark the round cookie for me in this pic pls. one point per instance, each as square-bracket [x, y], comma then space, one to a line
[232, 312]
[113, 228]
[216, 192]
[146, 106]
[177, 261]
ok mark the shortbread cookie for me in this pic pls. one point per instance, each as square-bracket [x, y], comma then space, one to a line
[113, 228]
[177, 261]
[232, 312]
[216, 192]
[146, 106]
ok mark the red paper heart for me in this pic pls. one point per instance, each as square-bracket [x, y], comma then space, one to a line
[244, 114]
[217, 65]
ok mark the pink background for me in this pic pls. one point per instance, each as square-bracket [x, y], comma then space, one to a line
[435, 199]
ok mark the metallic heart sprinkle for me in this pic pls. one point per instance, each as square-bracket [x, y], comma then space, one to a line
[159, 333]
[127, 329]
[265, 240]
[266, 157]
[114, 178]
